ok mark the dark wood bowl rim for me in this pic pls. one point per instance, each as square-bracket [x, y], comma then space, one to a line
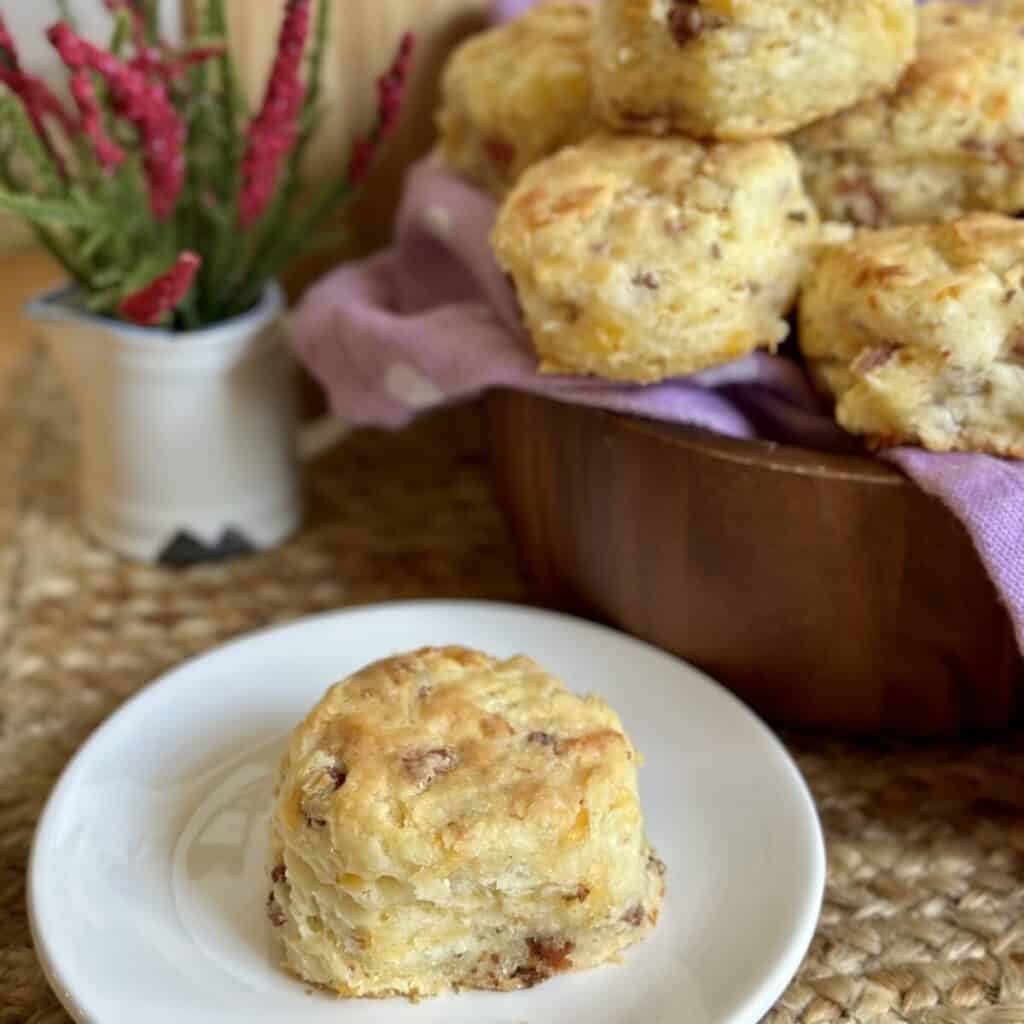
[757, 454]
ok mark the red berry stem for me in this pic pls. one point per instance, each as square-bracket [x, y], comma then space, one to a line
[274, 130]
[295, 235]
[390, 90]
[109, 154]
[143, 103]
[149, 305]
[35, 96]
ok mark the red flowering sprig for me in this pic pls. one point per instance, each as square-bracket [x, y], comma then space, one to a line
[39, 102]
[290, 239]
[151, 304]
[143, 103]
[165, 65]
[390, 88]
[83, 91]
[160, 60]
[275, 128]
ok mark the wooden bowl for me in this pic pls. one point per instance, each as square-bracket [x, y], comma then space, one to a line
[825, 590]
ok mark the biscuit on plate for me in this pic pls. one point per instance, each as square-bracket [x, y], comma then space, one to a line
[516, 93]
[744, 69]
[445, 820]
[948, 140]
[918, 333]
[637, 258]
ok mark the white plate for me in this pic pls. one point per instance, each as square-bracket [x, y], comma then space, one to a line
[146, 890]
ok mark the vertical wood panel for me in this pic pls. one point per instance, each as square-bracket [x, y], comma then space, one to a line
[364, 36]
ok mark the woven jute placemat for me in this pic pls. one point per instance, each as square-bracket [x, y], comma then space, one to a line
[924, 915]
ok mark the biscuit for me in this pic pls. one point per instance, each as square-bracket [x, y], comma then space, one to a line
[639, 258]
[918, 334]
[517, 93]
[447, 820]
[947, 141]
[744, 69]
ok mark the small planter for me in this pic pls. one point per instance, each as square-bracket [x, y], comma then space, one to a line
[188, 440]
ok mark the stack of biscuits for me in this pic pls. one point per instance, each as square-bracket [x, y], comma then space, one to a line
[675, 176]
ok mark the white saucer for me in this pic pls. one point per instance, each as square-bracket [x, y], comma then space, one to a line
[146, 891]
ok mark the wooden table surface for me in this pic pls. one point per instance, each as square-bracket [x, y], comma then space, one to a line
[22, 274]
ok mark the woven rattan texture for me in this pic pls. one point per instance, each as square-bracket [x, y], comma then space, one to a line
[924, 915]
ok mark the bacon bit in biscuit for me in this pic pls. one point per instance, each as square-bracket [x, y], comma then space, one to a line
[578, 895]
[551, 952]
[657, 865]
[716, 251]
[646, 280]
[529, 976]
[546, 739]
[279, 874]
[977, 147]
[872, 358]
[501, 151]
[1010, 295]
[571, 312]
[634, 916]
[1011, 152]
[686, 21]
[1017, 344]
[543, 739]
[424, 767]
[338, 775]
[274, 912]
[635, 116]
[314, 821]
[866, 206]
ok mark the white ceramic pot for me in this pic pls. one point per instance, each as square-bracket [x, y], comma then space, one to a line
[188, 440]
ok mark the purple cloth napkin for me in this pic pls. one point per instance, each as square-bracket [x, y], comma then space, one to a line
[505, 9]
[433, 320]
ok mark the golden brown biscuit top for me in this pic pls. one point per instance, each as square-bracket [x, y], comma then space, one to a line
[964, 91]
[955, 288]
[557, 30]
[976, 248]
[449, 753]
[645, 186]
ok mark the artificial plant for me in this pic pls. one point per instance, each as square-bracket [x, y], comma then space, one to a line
[162, 197]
